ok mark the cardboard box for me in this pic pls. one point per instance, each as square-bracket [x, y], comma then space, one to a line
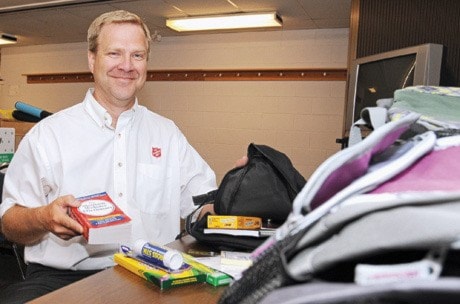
[234, 222]
[103, 221]
[213, 277]
[161, 277]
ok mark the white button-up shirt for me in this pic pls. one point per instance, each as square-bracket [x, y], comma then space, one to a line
[145, 164]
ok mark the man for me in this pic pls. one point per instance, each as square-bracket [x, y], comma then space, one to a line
[107, 143]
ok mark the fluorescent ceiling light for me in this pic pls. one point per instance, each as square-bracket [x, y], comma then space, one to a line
[8, 39]
[225, 22]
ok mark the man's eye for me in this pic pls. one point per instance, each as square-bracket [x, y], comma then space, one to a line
[113, 54]
[139, 56]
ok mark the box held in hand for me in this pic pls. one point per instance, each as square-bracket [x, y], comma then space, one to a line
[103, 221]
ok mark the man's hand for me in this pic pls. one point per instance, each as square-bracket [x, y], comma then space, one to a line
[28, 225]
[205, 209]
[55, 219]
[241, 162]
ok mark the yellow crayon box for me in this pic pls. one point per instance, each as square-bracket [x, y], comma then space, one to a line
[234, 222]
[160, 277]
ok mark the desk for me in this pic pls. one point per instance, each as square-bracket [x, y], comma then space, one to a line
[118, 285]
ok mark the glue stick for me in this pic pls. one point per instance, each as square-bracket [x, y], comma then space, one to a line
[157, 255]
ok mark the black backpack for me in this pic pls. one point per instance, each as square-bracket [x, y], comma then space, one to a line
[264, 188]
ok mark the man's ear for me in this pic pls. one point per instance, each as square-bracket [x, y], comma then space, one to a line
[91, 59]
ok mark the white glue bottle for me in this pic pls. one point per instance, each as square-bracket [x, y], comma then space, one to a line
[157, 255]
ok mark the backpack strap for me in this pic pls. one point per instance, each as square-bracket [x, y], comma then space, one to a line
[372, 117]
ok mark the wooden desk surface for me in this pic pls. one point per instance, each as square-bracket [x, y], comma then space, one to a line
[118, 285]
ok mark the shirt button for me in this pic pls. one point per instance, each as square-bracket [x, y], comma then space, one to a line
[120, 164]
[120, 194]
[119, 135]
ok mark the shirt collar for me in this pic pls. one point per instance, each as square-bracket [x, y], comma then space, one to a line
[101, 116]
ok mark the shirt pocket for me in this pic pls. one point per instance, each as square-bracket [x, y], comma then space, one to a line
[153, 188]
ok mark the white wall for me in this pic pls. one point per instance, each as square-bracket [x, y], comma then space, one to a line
[220, 118]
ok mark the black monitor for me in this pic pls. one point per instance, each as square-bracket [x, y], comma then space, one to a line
[378, 76]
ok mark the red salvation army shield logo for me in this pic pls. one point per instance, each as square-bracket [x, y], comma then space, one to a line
[156, 152]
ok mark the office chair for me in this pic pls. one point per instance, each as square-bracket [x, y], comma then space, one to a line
[5, 245]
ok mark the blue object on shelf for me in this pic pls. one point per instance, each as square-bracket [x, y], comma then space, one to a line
[32, 110]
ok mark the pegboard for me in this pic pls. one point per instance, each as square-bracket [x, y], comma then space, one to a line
[7, 140]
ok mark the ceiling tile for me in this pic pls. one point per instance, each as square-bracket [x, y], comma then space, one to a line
[327, 9]
[70, 23]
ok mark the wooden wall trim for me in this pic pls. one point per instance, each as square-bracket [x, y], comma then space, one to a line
[320, 74]
[353, 34]
[59, 77]
[352, 50]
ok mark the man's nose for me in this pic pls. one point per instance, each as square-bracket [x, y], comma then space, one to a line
[126, 63]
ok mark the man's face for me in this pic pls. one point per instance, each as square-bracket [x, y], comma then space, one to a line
[119, 66]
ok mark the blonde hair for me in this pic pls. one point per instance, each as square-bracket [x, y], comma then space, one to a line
[119, 16]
